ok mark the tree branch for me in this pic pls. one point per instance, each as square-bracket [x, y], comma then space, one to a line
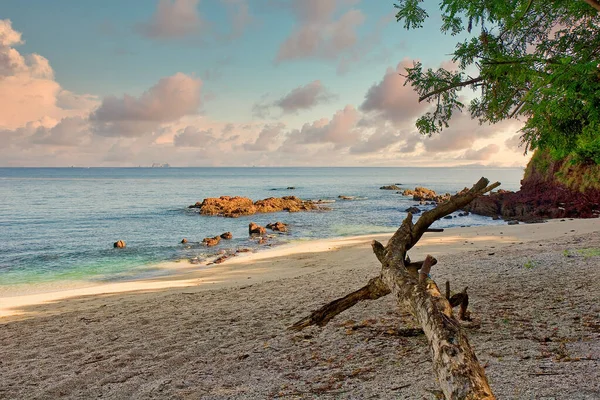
[449, 87]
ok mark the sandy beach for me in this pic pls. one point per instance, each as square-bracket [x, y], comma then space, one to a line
[219, 332]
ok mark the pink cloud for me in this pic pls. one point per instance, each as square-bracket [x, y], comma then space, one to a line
[391, 100]
[484, 153]
[318, 34]
[194, 137]
[303, 97]
[338, 131]
[267, 138]
[173, 19]
[170, 99]
[28, 91]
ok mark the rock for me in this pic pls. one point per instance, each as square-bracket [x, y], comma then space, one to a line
[513, 222]
[210, 242]
[413, 210]
[197, 205]
[184, 241]
[119, 244]
[424, 194]
[448, 217]
[256, 230]
[226, 235]
[243, 250]
[262, 240]
[234, 207]
[291, 188]
[222, 259]
[346, 197]
[391, 187]
[277, 227]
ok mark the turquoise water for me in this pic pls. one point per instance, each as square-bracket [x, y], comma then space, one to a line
[59, 224]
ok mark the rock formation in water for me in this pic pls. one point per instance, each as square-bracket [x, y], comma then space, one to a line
[233, 207]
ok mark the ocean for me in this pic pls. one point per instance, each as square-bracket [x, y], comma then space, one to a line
[59, 224]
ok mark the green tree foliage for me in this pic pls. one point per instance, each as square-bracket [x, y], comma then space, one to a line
[538, 61]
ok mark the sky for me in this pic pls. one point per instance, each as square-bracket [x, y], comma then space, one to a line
[226, 83]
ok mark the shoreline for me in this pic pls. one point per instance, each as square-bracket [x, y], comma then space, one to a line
[283, 261]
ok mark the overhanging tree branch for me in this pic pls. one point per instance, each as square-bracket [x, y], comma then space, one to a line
[450, 87]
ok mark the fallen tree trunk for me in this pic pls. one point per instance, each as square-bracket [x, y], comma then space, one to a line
[459, 374]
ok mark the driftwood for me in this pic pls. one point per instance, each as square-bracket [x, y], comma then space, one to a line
[459, 374]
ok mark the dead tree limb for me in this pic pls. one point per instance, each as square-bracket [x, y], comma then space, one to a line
[459, 374]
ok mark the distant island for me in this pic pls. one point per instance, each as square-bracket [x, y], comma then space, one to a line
[157, 165]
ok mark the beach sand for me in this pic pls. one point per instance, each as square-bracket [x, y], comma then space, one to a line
[219, 332]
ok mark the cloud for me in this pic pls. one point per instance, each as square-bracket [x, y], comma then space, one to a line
[266, 138]
[239, 16]
[484, 153]
[173, 19]
[318, 34]
[301, 98]
[194, 137]
[391, 100]
[28, 91]
[170, 99]
[515, 143]
[70, 131]
[383, 138]
[340, 131]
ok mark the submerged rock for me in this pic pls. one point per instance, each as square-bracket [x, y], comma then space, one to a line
[184, 241]
[119, 244]
[233, 207]
[256, 230]
[413, 210]
[226, 236]
[277, 227]
[346, 197]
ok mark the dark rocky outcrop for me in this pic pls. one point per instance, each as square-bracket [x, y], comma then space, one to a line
[119, 244]
[291, 188]
[342, 197]
[277, 227]
[390, 187]
[413, 210]
[256, 230]
[211, 242]
[184, 241]
[549, 189]
[226, 236]
[233, 207]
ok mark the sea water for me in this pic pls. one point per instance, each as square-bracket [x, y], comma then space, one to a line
[59, 224]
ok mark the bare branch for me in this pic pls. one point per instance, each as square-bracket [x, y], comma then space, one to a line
[450, 87]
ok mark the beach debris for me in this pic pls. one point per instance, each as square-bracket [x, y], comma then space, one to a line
[184, 241]
[459, 374]
[233, 207]
[424, 194]
[391, 187]
[256, 230]
[226, 236]
[413, 210]
[119, 244]
[342, 197]
[277, 227]
[211, 241]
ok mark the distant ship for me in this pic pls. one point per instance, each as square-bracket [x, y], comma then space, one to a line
[157, 165]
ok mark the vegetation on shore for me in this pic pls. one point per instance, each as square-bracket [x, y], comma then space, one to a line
[535, 61]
